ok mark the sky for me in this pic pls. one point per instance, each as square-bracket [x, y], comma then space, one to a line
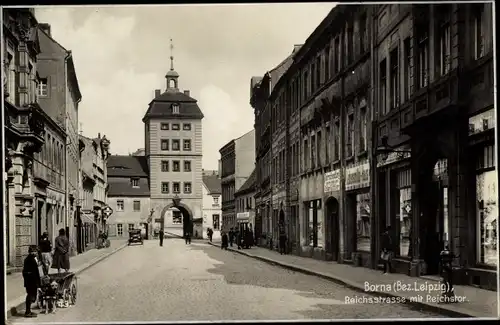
[121, 56]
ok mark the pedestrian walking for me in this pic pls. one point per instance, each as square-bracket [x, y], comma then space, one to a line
[224, 242]
[386, 253]
[238, 238]
[162, 235]
[61, 252]
[251, 239]
[282, 238]
[231, 236]
[446, 257]
[32, 279]
[46, 252]
[210, 233]
[246, 238]
[188, 237]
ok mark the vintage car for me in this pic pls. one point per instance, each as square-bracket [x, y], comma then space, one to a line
[135, 236]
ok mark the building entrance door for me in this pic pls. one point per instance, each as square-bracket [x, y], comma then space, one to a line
[437, 230]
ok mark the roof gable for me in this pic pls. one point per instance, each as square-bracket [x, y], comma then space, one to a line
[127, 166]
[212, 183]
[249, 184]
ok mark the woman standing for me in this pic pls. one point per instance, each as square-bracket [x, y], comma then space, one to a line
[61, 252]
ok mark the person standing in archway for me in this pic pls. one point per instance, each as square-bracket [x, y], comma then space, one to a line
[161, 234]
[188, 237]
[282, 238]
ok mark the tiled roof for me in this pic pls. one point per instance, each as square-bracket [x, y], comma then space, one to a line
[122, 186]
[249, 184]
[213, 184]
[127, 166]
[161, 106]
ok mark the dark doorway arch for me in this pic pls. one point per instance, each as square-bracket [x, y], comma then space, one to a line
[332, 228]
[187, 217]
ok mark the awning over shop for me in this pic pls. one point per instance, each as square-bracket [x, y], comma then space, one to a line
[242, 216]
[87, 218]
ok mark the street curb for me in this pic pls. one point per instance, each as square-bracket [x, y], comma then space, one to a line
[444, 309]
[19, 302]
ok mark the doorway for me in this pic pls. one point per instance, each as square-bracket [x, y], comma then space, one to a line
[39, 221]
[435, 205]
[332, 228]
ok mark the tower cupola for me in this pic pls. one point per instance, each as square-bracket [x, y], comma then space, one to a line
[172, 76]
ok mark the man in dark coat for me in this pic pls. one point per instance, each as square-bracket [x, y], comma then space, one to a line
[231, 236]
[188, 237]
[32, 280]
[161, 234]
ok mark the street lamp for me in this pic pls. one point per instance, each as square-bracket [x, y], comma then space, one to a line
[385, 148]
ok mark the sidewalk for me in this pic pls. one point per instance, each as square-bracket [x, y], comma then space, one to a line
[14, 284]
[476, 302]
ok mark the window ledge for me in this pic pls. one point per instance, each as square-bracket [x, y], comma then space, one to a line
[363, 153]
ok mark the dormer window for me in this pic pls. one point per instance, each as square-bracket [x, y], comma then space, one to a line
[175, 108]
[135, 182]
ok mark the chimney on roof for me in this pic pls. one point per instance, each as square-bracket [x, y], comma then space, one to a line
[157, 92]
[99, 135]
[186, 92]
[46, 28]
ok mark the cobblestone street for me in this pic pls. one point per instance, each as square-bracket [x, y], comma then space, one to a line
[200, 282]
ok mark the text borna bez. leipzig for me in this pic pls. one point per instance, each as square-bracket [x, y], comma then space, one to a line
[399, 286]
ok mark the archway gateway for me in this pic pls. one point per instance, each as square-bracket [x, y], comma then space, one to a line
[187, 217]
[332, 228]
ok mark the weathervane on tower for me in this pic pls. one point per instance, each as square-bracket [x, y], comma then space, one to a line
[171, 55]
[172, 76]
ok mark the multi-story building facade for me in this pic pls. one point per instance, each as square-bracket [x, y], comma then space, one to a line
[24, 131]
[320, 116]
[173, 149]
[61, 94]
[244, 201]
[128, 195]
[237, 163]
[271, 190]
[212, 200]
[93, 194]
[436, 174]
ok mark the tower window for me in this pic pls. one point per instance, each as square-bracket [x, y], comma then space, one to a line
[175, 108]
[135, 182]
[187, 145]
[175, 126]
[42, 87]
[164, 126]
[186, 127]
[164, 144]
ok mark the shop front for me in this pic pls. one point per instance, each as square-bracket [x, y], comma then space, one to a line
[395, 206]
[333, 229]
[245, 221]
[483, 215]
[358, 213]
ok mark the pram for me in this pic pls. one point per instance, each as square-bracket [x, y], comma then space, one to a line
[64, 294]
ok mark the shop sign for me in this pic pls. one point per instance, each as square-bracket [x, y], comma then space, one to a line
[482, 122]
[332, 181]
[393, 157]
[307, 114]
[357, 177]
[242, 216]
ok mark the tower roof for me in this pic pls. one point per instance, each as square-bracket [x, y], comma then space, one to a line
[162, 107]
[173, 104]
